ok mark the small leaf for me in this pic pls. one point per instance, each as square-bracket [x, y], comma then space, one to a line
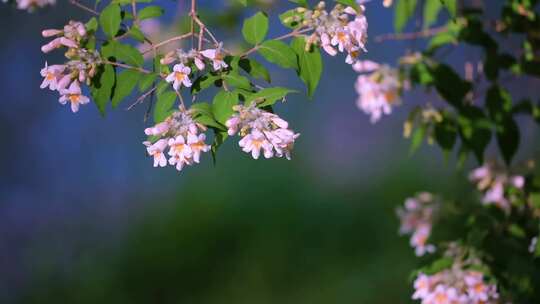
[92, 25]
[431, 12]
[417, 138]
[122, 52]
[125, 83]
[508, 136]
[164, 106]
[146, 81]
[351, 3]
[403, 11]
[148, 12]
[102, 86]
[254, 69]
[269, 96]
[110, 20]
[310, 65]
[236, 80]
[279, 53]
[255, 28]
[222, 105]
[136, 34]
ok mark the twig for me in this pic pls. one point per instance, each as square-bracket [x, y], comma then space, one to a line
[413, 35]
[162, 43]
[84, 7]
[141, 98]
[291, 34]
[127, 66]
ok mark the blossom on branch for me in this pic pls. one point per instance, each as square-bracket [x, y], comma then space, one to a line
[261, 131]
[378, 89]
[180, 134]
[417, 217]
[179, 76]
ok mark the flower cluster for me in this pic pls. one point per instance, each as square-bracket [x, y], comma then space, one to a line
[494, 182]
[378, 89]
[81, 67]
[453, 286]
[261, 130]
[343, 29]
[180, 134]
[417, 218]
[31, 5]
[216, 56]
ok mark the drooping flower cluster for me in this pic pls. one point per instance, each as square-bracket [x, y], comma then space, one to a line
[31, 5]
[460, 283]
[495, 182]
[182, 136]
[261, 131]
[81, 67]
[378, 89]
[343, 29]
[417, 218]
[216, 56]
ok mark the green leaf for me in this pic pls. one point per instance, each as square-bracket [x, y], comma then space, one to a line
[202, 113]
[233, 79]
[291, 18]
[279, 53]
[122, 52]
[269, 96]
[204, 82]
[222, 105]
[148, 12]
[310, 65]
[451, 6]
[164, 106]
[431, 12]
[254, 69]
[125, 83]
[351, 3]
[110, 20]
[403, 11]
[255, 28]
[136, 34]
[450, 85]
[475, 130]
[92, 25]
[102, 86]
[146, 81]
[417, 138]
[446, 135]
[508, 137]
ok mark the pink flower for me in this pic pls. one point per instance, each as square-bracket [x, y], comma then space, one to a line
[156, 150]
[327, 46]
[254, 142]
[197, 145]
[419, 240]
[74, 96]
[217, 56]
[179, 76]
[51, 74]
[180, 151]
[422, 286]
[159, 129]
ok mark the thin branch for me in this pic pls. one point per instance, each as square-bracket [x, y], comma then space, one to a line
[84, 7]
[141, 98]
[162, 43]
[413, 35]
[291, 34]
[127, 66]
